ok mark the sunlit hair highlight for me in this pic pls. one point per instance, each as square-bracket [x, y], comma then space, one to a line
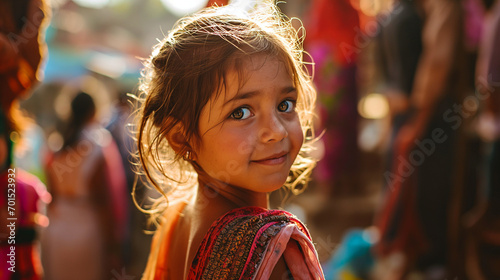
[186, 70]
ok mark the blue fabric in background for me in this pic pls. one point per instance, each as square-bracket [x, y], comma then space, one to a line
[352, 259]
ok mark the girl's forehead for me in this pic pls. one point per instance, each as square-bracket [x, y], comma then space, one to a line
[241, 69]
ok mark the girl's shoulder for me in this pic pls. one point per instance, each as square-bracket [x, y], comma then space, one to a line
[246, 243]
[157, 265]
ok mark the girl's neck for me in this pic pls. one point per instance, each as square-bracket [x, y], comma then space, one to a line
[235, 197]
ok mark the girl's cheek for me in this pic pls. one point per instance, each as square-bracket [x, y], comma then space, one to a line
[244, 147]
[297, 130]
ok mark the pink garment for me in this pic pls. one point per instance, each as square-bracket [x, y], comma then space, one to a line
[300, 256]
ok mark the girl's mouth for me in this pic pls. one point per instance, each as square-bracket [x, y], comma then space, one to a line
[273, 160]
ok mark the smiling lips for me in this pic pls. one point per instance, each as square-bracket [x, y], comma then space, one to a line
[273, 160]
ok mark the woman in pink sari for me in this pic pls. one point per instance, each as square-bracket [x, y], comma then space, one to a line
[225, 119]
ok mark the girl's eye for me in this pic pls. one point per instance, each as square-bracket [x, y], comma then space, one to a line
[241, 113]
[286, 106]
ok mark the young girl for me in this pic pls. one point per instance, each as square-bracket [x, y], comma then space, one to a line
[226, 106]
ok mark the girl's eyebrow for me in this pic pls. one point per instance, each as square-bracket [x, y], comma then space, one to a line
[250, 94]
[242, 96]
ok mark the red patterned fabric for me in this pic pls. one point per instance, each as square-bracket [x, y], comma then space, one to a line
[234, 246]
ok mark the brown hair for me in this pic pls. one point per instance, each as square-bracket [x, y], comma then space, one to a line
[188, 67]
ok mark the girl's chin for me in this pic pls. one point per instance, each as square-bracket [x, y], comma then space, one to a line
[265, 186]
[274, 188]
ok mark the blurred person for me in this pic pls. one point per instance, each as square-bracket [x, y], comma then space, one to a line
[332, 25]
[118, 126]
[88, 212]
[21, 200]
[421, 56]
[136, 246]
[483, 255]
[399, 47]
[22, 47]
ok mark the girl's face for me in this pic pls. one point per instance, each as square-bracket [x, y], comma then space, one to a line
[251, 135]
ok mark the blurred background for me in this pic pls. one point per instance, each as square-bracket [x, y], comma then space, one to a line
[407, 183]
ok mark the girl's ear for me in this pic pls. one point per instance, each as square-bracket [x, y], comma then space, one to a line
[177, 139]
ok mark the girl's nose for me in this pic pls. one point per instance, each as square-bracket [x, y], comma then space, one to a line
[272, 129]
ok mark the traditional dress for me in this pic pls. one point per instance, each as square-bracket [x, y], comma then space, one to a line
[246, 243]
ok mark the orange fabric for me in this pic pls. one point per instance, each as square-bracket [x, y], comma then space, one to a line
[157, 266]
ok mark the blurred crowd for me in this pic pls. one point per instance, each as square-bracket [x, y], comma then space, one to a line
[408, 109]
